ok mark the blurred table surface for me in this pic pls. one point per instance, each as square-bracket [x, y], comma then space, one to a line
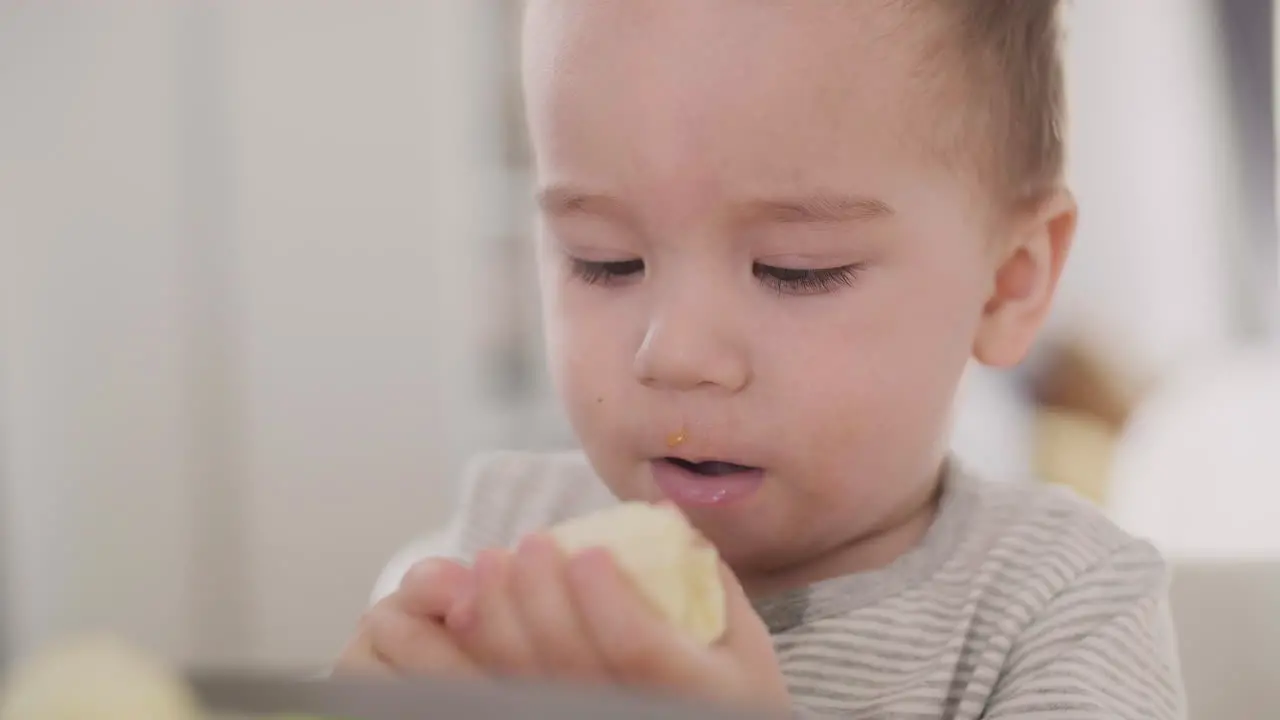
[246, 695]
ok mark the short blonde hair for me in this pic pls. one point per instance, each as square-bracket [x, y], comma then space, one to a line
[1010, 52]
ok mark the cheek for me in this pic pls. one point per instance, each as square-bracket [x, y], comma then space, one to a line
[871, 391]
[926, 316]
[589, 354]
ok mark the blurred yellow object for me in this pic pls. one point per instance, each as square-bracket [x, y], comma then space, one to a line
[1075, 449]
[96, 678]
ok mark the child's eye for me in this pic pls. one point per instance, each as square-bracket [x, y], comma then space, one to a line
[797, 281]
[605, 273]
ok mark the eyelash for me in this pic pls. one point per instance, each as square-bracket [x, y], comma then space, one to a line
[786, 281]
[791, 281]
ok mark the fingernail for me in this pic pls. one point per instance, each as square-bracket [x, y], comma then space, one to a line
[423, 572]
[527, 547]
[488, 568]
[535, 547]
[590, 563]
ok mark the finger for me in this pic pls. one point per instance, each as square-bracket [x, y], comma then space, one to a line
[486, 624]
[360, 658]
[636, 644]
[432, 586]
[412, 645]
[745, 631]
[556, 634]
[747, 645]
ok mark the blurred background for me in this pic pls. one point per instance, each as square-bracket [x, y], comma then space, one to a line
[267, 286]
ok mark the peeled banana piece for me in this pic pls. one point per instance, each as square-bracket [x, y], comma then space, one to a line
[671, 565]
[96, 678]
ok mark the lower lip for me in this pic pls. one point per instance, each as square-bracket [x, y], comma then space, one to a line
[689, 489]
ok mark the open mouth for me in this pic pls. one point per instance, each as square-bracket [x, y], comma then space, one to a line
[710, 468]
[705, 484]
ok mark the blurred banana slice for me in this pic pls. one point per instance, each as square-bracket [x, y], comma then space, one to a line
[672, 566]
[96, 678]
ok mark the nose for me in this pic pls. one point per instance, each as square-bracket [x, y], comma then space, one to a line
[690, 346]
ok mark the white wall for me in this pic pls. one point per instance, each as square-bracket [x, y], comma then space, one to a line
[360, 232]
[1152, 164]
[97, 408]
[244, 284]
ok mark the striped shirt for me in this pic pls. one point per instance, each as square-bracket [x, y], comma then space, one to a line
[1022, 601]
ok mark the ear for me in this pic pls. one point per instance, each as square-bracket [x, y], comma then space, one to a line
[1026, 276]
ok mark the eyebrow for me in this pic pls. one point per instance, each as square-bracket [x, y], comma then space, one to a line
[820, 208]
[562, 200]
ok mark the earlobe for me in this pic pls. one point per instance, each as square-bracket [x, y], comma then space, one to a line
[1025, 280]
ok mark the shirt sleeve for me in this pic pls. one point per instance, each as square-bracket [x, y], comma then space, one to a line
[449, 540]
[1103, 649]
[502, 497]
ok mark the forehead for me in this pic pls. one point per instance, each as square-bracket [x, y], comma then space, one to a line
[726, 96]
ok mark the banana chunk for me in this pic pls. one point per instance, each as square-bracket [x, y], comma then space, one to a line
[671, 565]
[96, 678]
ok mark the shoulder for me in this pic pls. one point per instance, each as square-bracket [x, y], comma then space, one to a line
[1038, 550]
[1079, 606]
[1051, 531]
[504, 496]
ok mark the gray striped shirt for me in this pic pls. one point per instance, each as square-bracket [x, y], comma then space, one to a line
[1022, 601]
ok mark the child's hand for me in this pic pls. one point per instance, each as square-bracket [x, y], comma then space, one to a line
[537, 614]
[404, 634]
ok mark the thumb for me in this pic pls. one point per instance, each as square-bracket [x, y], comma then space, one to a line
[433, 586]
[747, 647]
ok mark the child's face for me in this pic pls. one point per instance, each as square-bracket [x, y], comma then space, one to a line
[748, 239]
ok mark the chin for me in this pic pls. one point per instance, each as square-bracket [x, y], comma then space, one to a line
[741, 535]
